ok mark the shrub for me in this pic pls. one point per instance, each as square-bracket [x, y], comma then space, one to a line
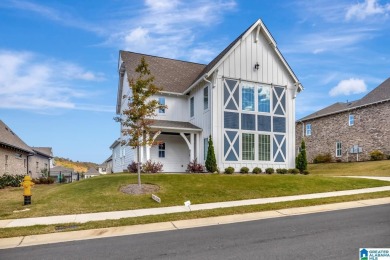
[133, 167]
[305, 172]
[256, 170]
[269, 170]
[244, 170]
[301, 160]
[229, 170]
[376, 155]
[293, 171]
[281, 171]
[152, 167]
[323, 158]
[11, 180]
[211, 161]
[44, 180]
[195, 167]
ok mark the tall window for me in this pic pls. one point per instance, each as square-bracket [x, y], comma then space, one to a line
[351, 120]
[206, 147]
[192, 107]
[161, 150]
[161, 100]
[248, 98]
[206, 98]
[264, 148]
[308, 129]
[248, 146]
[263, 99]
[338, 149]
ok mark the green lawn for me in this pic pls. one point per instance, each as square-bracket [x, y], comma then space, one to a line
[102, 193]
[370, 168]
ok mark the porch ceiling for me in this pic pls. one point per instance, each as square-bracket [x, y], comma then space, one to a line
[175, 126]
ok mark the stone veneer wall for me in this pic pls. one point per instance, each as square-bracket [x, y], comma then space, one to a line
[371, 131]
[15, 165]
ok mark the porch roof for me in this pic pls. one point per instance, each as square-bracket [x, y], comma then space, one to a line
[175, 125]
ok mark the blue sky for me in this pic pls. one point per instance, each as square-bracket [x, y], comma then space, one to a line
[58, 59]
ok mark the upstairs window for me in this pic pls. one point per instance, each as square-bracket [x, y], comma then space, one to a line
[308, 129]
[248, 98]
[161, 150]
[351, 120]
[192, 107]
[263, 99]
[161, 100]
[206, 98]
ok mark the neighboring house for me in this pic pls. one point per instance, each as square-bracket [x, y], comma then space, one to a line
[106, 166]
[92, 172]
[244, 98]
[60, 173]
[16, 157]
[349, 131]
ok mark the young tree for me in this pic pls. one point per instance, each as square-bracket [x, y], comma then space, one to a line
[211, 162]
[138, 117]
[301, 160]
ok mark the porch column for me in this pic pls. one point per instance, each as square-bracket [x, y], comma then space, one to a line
[147, 147]
[192, 147]
[197, 145]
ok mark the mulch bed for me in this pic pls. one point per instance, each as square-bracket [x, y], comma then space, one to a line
[134, 189]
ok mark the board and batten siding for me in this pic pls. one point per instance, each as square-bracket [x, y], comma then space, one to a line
[239, 65]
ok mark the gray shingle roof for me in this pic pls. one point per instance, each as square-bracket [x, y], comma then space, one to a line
[60, 169]
[377, 95]
[9, 138]
[174, 124]
[46, 151]
[92, 171]
[171, 75]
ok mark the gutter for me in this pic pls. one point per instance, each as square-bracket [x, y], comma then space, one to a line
[206, 75]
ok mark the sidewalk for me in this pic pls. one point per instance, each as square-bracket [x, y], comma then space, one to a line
[82, 218]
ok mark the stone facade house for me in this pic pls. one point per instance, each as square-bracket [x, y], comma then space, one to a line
[244, 98]
[16, 157]
[349, 131]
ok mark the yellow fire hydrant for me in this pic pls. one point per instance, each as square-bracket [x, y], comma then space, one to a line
[27, 184]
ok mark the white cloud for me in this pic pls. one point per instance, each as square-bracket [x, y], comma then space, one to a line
[348, 87]
[29, 81]
[361, 11]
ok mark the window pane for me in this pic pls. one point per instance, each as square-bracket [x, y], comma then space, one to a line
[248, 122]
[308, 129]
[264, 100]
[161, 100]
[206, 98]
[248, 98]
[231, 120]
[192, 107]
[351, 120]
[264, 148]
[248, 146]
[161, 150]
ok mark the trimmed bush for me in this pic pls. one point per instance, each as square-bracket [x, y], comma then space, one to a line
[323, 158]
[305, 172]
[11, 180]
[244, 170]
[256, 170]
[301, 160]
[269, 170]
[293, 171]
[151, 167]
[133, 167]
[376, 155]
[229, 170]
[281, 171]
[211, 161]
[195, 167]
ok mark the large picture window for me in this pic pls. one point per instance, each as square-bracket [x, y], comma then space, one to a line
[264, 148]
[263, 99]
[248, 98]
[248, 146]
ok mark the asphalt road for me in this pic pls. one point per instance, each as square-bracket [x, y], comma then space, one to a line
[329, 235]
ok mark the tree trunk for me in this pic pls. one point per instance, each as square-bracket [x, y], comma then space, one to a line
[138, 166]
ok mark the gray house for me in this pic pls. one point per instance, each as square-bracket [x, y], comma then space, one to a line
[349, 131]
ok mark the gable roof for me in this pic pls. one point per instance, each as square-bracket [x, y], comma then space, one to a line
[10, 139]
[92, 171]
[377, 95]
[45, 151]
[60, 169]
[180, 77]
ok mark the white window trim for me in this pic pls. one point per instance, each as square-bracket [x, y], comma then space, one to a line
[353, 119]
[341, 149]
[208, 98]
[308, 133]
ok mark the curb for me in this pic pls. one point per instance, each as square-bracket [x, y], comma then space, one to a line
[181, 224]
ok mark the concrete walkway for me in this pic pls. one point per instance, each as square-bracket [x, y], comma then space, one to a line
[82, 218]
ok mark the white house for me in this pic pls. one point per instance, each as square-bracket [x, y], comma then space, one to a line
[244, 98]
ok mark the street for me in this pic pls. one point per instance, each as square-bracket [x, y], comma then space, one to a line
[329, 235]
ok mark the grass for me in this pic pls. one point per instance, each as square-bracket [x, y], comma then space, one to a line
[370, 168]
[35, 230]
[102, 193]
